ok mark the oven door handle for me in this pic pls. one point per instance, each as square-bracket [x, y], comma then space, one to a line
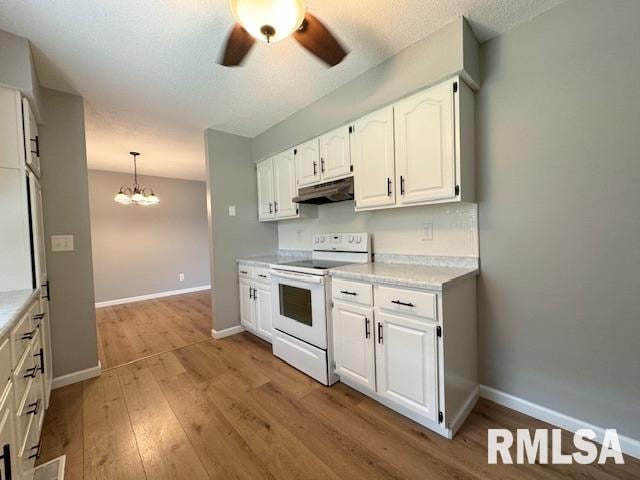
[301, 277]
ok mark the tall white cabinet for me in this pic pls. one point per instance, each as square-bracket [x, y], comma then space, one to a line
[276, 178]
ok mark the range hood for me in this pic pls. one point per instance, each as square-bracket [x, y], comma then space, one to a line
[330, 192]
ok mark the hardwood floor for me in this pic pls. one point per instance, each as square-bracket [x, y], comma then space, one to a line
[133, 331]
[228, 408]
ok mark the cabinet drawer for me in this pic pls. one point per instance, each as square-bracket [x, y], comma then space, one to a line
[29, 449]
[353, 292]
[21, 334]
[408, 302]
[245, 271]
[5, 364]
[30, 406]
[25, 370]
[262, 275]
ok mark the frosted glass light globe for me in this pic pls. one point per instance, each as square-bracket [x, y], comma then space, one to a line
[122, 198]
[269, 20]
[137, 197]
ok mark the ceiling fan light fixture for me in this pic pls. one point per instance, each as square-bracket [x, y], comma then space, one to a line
[269, 20]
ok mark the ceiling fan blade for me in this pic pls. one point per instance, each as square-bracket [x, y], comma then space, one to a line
[238, 45]
[316, 38]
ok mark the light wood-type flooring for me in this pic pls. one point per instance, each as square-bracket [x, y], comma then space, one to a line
[133, 331]
[229, 409]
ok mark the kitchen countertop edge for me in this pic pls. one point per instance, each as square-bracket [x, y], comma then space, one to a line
[13, 304]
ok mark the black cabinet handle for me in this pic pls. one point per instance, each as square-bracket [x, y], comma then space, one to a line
[31, 372]
[398, 302]
[388, 187]
[275, 206]
[48, 295]
[41, 355]
[244, 272]
[379, 332]
[35, 408]
[37, 449]
[29, 335]
[346, 292]
[37, 151]
[262, 276]
[270, 207]
[315, 168]
[322, 165]
[401, 185]
[255, 294]
[367, 332]
[250, 293]
[6, 458]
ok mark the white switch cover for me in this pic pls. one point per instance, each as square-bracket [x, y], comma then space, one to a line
[62, 243]
[427, 233]
[181, 277]
[232, 210]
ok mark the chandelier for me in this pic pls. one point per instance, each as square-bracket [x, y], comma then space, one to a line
[135, 194]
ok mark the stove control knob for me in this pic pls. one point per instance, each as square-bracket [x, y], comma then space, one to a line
[317, 239]
[321, 239]
[350, 238]
[358, 239]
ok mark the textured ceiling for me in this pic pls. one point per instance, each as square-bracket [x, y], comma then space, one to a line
[147, 68]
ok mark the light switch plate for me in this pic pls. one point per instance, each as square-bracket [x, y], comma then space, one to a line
[62, 243]
[427, 233]
[232, 210]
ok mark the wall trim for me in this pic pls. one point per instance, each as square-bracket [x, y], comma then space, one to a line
[151, 296]
[629, 446]
[227, 332]
[75, 377]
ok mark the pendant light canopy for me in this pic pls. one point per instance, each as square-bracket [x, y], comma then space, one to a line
[269, 20]
[135, 194]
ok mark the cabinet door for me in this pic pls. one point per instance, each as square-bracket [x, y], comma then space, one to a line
[31, 138]
[406, 363]
[284, 176]
[425, 153]
[335, 154]
[266, 210]
[263, 311]
[45, 328]
[308, 162]
[353, 344]
[38, 229]
[247, 308]
[373, 160]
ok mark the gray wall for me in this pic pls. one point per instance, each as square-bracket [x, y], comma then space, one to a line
[66, 212]
[231, 178]
[18, 70]
[452, 49]
[559, 171]
[142, 250]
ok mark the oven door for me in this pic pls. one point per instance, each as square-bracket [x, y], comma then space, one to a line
[299, 306]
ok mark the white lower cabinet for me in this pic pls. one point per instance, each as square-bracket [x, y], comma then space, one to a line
[255, 301]
[354, 345]
[407, 361]
[391, 343]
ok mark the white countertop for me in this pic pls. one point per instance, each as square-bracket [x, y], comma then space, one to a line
[266, 260]
[404, 275]
[12, 306]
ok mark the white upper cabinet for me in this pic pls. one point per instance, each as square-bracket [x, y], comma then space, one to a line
[284, 176]
[373, 160]
[266, 210]
[425, 155]
[335, 154]
[308, 163]
[31, 138]
[407, 363]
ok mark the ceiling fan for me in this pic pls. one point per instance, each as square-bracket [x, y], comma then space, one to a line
[273, 20]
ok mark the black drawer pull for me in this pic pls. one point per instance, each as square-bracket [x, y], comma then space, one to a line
[29, 335]
[31, 372]
[379, 332]
[48, 287]
[37, 449]
[388, 187]
[39, 316]
[35, 408]
[398, 302]
[367, 332]
[262, 276]
[346, 292]
[243, 272]
[6, 458]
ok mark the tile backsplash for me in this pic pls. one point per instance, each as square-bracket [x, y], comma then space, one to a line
[397, 230]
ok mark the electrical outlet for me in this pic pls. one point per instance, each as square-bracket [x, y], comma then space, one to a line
[181, 277]
[427, 232]
[62, 243]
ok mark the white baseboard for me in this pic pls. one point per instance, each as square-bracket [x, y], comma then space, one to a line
[151, 296]
[76, 377]
[629, 446]
[227, 332]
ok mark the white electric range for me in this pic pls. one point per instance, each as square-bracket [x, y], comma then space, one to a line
[301, 292]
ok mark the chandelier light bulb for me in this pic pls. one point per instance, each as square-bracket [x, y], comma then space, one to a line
[269, 20]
